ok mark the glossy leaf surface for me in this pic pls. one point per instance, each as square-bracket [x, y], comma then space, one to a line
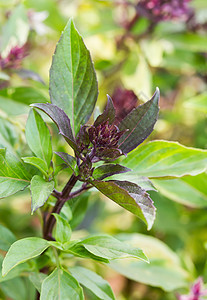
[109, 248]
[188, 190]
[61, 285]
[21, 251]
[38, 137]
[92, 281]
[63, 230]
[166, 159]
[164, 270]
[107, 170]
[13, 175]
[130, 196]
[40, 191]
[37, 162]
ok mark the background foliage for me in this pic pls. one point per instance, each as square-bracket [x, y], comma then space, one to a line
[171, 55]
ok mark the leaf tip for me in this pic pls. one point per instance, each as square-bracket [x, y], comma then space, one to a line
[156, 95]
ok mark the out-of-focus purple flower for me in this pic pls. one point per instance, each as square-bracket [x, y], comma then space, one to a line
[196, 292]
[14, 58]
[124, 101]
[163, 10]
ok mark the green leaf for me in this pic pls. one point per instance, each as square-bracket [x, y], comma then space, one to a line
[188, 190]
[166, 159]
[38, 163]
[188, 41]
[6, 238]
[13, 175]
[79, 208]
[69, 160]
[37, 279]
[198, 103]
[164, 270]
[15, 289]
[141, 181]
[16, 30]
[131, 197]
[73, 84]
[95, 283]
[24, 94]
[9, 137]
[23, 250]
[40, 191]
[63, 231]
[16, 272]
[66, 212]
[107, 247]
[140, 123]
[13, 108]
[107, 170]
[108, 114]
[77, 249]
[60, 118]
[38, 137]
[61, 285]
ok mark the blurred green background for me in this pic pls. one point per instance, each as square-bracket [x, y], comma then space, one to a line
[130, 63]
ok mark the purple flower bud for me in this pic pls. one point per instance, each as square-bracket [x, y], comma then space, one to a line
[105, 139]
[164, 10]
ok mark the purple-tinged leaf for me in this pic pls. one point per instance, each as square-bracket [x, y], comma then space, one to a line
[140, 123]
[60, 118]
[141, 181]
[108, 113]
[130, 196]
[69, 160]
[107, 170]
[108, 154]
[28, 74]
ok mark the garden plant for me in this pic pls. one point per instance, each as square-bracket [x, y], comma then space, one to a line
[86, 197]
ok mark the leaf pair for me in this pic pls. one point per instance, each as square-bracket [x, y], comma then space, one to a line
[60, 282]
[100, 246]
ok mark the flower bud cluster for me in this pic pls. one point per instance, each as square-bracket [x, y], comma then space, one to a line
[100, 142]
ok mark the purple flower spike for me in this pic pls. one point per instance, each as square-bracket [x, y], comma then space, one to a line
[196, 292]
[14, 58]
[164, 10]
